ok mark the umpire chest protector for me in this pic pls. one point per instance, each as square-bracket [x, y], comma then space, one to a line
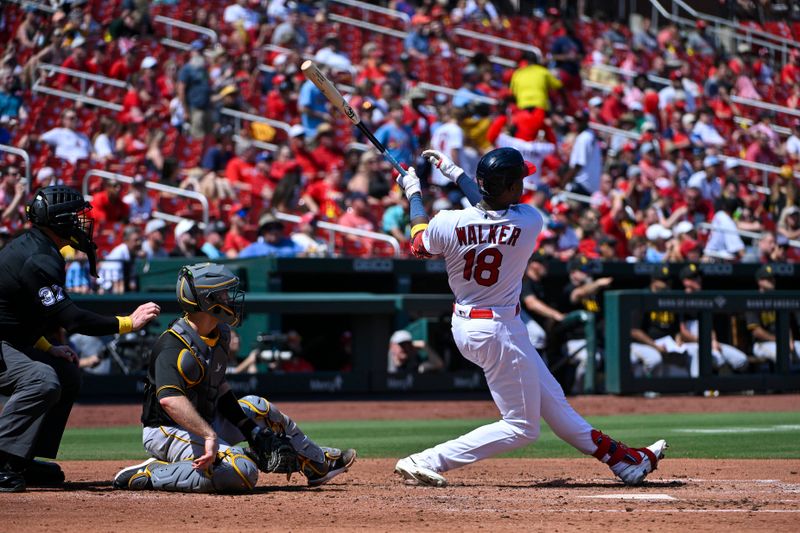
[202, 366]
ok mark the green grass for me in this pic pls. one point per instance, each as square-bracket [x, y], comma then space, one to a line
[375, 438]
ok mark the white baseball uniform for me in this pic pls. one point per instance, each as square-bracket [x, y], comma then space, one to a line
[486, 253]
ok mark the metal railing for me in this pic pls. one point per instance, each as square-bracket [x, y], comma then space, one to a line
[44, 6]
[241, 115]
[724, 29]
[765, 105]
[756, 236]
[402, 35]
[76, 97]
[628, 73]
[338, 228]
[766, 169]
[602, 128]
[375, 9]
[450, 92]
[508, 43]
[747, 122]
[84, 77]
[171, 23]
[25, 157]
[150, 185]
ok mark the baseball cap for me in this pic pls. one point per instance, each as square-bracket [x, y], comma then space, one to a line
[607, 239]
[656, 232]
[266, 220]
[688, 246]
[684, 226]
[595, 101]
[154, 225]
[579, 263]
[660, 273]
[400, 336]
[538, 257]
[296, 131]
[198, 44]
[184, 226]
[690, 271]
[765, 272]
[711, 161]
[149, 62]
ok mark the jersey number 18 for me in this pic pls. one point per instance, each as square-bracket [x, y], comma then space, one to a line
[484, 267]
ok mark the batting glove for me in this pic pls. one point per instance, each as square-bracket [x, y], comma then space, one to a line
[410, 183]
[445, 165]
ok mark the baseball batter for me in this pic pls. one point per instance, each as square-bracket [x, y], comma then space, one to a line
[191, 418]
[486, 249]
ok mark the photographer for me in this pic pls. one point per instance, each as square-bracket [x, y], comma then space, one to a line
[406, 355]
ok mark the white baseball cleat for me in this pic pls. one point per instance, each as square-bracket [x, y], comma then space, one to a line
[413, 471]
[634, 473]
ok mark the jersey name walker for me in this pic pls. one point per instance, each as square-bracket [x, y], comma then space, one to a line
[486, 252]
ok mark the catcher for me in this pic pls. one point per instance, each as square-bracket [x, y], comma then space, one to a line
[191, 417]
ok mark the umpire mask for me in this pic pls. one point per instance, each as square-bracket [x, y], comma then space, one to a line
[212, 289]
[64, 211]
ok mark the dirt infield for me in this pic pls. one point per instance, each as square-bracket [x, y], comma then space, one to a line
[494, 495]
[116, 415]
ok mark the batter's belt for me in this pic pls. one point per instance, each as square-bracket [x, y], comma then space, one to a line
[467, 311]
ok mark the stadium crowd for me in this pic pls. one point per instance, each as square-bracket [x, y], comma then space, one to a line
[670, 183]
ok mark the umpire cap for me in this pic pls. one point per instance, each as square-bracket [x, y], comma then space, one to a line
[500, 168]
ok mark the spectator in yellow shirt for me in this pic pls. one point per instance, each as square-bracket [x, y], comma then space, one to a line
[531, 85]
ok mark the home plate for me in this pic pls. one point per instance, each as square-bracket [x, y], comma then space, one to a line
[640, 496]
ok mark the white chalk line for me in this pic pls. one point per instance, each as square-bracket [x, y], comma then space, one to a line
[639, 496]
[779, 428]
[651, 510]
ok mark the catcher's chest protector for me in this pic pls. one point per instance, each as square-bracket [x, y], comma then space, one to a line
[202, 366]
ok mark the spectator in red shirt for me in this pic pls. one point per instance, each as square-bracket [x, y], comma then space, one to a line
[99, 63]
[327, 154]
[281, 101]
[235, 240]
[790, 74]
[107, 205]
[75, 61]
[123, 67]
[323, 196]
[617, 224]
[241, 171]
[693, 208]
[358, 216]
[613, 108]
[308, 163]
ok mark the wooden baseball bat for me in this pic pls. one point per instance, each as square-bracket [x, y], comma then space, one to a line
[312, 73]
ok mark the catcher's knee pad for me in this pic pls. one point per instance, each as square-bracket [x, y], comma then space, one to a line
[233, 472]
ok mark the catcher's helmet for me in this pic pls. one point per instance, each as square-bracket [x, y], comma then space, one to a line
[64, 211]
[500, 168]
[212, 289]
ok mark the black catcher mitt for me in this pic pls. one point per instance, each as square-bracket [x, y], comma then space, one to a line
[272, 453]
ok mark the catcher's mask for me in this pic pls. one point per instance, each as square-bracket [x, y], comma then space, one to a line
[64, 211]
[212, 289]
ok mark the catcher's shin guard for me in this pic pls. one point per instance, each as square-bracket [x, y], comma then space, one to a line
[631, 465]
[136, 477]
[266, 414]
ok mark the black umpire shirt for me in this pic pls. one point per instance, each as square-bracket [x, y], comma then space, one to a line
[32, 275]
[32, 297]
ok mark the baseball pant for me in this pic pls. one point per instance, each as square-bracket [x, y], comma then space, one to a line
[769, 350]
[522, 388]
[173, 443]
[727, 354]
[41, 390]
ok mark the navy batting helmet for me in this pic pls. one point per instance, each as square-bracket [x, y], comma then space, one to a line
[500, 168]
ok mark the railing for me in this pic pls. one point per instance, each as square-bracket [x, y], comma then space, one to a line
[508, 43]
[42, 6]
[765, 105]
[192, 195]
[375, 9]
[338, 228]
[602, 128]
[628, 73]
[766, 169]
[402, 35]
[171, 23]
[85, 77]
[743, 233]
[450, 92]
[725, 29]
[747, 122]
[241, 115]
[25, 157]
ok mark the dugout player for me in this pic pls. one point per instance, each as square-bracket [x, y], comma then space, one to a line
[42, 380]
[192, 419]
[763, 325]
[486, 249]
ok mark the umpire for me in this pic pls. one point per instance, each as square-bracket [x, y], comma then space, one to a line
[42, 380]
